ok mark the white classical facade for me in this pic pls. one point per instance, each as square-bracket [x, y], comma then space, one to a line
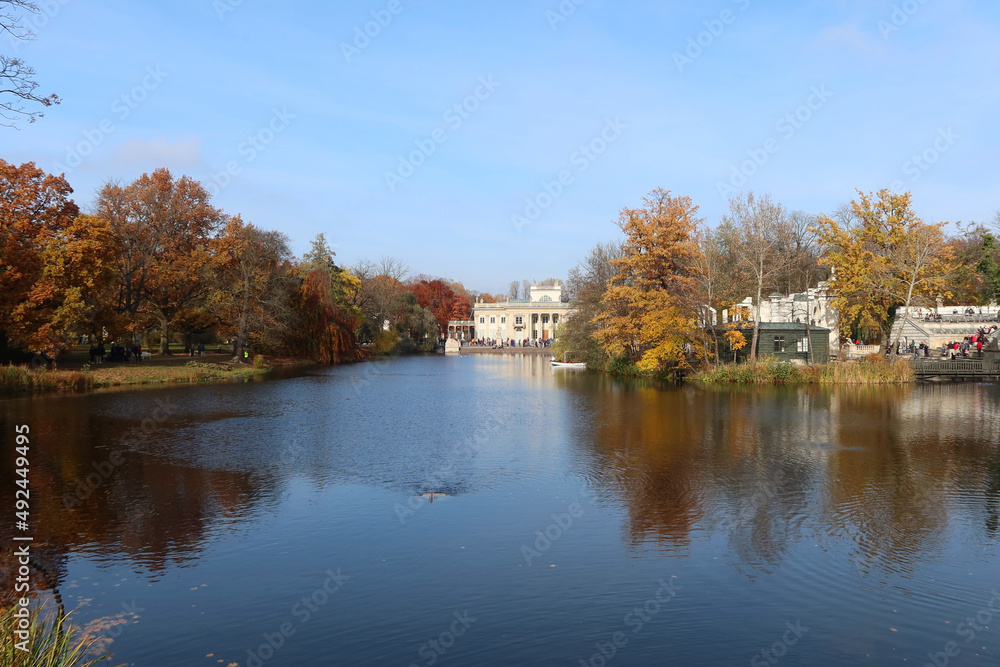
[814, 306]
[539, 317]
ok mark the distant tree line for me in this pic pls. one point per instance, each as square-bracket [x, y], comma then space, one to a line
[155, 260]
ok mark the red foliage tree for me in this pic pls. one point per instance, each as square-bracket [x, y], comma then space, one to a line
[442, 300]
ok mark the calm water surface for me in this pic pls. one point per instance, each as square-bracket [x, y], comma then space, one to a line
[289, 522]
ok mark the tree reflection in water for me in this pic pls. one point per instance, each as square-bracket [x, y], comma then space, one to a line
[879, 471]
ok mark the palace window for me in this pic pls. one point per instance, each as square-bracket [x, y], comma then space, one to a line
[555, 318]
[482, 320]
[779, 344]
[493, 320]
[546, 297]
[503, 320]
[518, 320]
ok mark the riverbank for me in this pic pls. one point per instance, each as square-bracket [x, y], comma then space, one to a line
[23, 379]
[75, 374]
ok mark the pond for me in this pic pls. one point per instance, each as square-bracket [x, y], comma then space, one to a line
[491, 510]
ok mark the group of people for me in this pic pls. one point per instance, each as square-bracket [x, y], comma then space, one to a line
[508, 342]
[974, 342]
[119, 352]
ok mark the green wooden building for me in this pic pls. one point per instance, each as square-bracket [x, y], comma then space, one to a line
[783, 340]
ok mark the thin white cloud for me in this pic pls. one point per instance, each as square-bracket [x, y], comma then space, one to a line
[179, 153]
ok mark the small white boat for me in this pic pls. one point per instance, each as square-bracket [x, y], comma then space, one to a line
[567, 364]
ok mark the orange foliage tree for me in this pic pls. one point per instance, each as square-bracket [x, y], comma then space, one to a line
[439, 297]
[646, 314]
[75, 292]
[162, 228]
[35, 208]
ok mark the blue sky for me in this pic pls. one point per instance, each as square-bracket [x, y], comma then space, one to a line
[807, 100]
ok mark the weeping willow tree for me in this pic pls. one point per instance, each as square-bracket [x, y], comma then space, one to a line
[327, 318]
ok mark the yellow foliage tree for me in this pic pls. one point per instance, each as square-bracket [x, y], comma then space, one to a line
[882, 256]
[646, 313]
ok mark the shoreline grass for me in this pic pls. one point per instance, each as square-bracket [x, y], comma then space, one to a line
[874, 369]
[23, 379]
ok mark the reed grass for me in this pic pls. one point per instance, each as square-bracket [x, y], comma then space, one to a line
[53, 641]
[27, 379]
[23, 379]
[874, 369]
[764, 370]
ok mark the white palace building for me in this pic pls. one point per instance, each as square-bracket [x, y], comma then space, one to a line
[536, 318]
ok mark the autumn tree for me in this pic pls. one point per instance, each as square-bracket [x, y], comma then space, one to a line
[645, 313]
[587, 283]
[163, 228]
[976, 255]
[75, 291]
[715, 288]
[875, 247]
[327, 320]
[382, 282]
[35, 209]
[919, 263]
[17, 79]
[757, 231]
[254, 285]
[438, 296]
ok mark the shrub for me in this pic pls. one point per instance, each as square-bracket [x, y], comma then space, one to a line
[623, 366]
[258, 361]
[384, 342]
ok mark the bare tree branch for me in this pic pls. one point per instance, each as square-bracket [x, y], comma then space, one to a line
[18, 87]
